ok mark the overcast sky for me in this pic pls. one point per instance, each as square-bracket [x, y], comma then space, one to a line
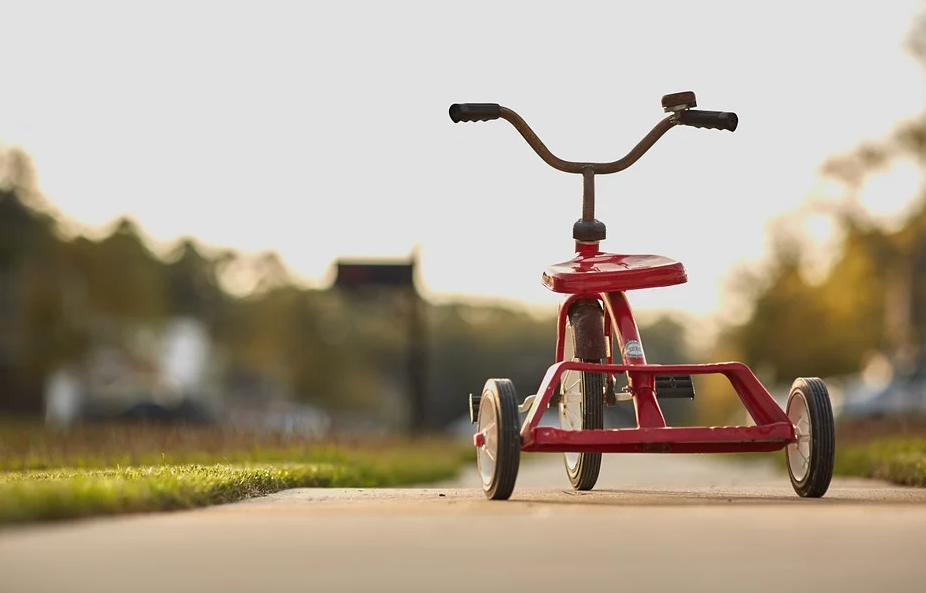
[320, 130]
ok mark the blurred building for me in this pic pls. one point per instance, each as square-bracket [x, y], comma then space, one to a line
[160, 374]
[173, 374]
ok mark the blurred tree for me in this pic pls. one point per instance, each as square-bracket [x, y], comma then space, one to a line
[474, 343]
[872, 297]
[125, 279]
[901, 256]
[798, 329]
[271, 272]
[666, 341]
[193, 286]
[471, 344]
[341, 351]
[30, 299]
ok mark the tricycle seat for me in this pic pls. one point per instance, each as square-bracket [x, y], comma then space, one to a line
[608, 272]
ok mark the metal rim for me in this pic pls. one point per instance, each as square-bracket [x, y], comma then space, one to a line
[488, 427]
[572, 402]
[799, 451]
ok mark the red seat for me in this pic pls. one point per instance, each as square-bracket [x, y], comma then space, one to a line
[608, 272]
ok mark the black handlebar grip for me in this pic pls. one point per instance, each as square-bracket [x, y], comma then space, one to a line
[475, 111]
[714, 120]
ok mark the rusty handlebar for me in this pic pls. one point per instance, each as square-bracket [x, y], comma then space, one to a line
[678, 105]
[467, 112]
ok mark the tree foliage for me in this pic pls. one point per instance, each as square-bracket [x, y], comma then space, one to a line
[872, 297]
[60, 298]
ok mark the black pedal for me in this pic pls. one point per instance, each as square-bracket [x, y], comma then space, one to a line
[674, 387]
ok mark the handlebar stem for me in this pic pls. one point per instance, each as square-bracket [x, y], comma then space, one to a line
[588, 194]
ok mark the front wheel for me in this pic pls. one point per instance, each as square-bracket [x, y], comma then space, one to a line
[581, 405]
[812, 457]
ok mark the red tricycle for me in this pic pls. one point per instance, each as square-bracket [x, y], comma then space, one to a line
[594, 313]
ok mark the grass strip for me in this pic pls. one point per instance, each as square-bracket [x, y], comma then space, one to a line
[73, 493]
[897, 460]
[65, 494]
[110, 469]
[29, 446]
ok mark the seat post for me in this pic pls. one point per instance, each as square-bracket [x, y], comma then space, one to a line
[587, 229]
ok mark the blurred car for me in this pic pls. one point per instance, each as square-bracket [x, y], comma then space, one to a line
[903, 395]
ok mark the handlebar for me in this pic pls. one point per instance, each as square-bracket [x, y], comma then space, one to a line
[681, 115]
[714, 120]
[475, 111]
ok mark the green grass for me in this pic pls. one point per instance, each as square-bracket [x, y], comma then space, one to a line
[100, 470]
[898, 460]
[893, 450]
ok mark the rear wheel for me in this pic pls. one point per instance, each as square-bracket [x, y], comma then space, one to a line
[499, 454]
[812, 456]
[581, 403]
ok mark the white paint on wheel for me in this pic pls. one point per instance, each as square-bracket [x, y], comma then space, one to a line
[799, 451]
[572, 402]
[488, 452]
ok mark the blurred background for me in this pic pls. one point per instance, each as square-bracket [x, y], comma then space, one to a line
[261, 215]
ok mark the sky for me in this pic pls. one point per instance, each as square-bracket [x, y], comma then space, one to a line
[320, 130]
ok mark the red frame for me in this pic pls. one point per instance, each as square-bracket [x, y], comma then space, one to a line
[592, 274]
[772, 431]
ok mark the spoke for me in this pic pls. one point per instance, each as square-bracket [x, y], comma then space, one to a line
[576, 417]
[486, 429]
[803, 457]
[573, 384]
[489, 453]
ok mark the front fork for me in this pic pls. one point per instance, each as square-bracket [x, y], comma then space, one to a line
[610, 397]
[619, 323]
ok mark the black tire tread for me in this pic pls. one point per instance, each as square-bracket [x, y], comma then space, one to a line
[586, 318]
[501, 392]
[822, 442]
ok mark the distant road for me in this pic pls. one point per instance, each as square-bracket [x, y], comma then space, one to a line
[655, 523]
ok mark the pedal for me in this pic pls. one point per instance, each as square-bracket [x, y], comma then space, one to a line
[474, 407]
[674, 387]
